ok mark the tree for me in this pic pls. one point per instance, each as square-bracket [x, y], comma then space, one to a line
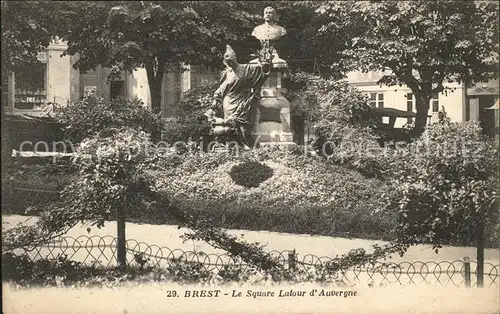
[27, 29]
[307, 49]
[124, 36]
[446, 188]
[424, 43]
[154, 34]
[128, 35]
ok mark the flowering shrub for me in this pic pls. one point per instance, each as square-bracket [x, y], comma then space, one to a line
[24, 271]
[356, 148]
[304, 194]
[250, 174]
[446, 186]
[63, 272]
[186, 273]
[92, 114]
[109, 169]
[50, 176]
[339, 116]
[325, 100]
[189, 120]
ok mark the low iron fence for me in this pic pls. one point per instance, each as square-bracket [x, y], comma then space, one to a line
[101, 251]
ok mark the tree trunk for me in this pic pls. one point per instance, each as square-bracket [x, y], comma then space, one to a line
[6, 125]
[480, 252]
[298, 129]
[422, 106]
[121, 240]
[155, 70]
[155, 97]
[155, 81]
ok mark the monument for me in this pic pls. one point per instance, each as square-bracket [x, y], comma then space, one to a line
[250, 94]
[236, 97]
[271, 115]
[268, 34]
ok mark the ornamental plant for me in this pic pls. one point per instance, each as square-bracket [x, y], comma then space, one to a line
[325, 99]
[189, 121]
[109, 166]
[446, 187]
[304, 194]
[339, 118]
[250, 174]
[61, 271]
[92, 114]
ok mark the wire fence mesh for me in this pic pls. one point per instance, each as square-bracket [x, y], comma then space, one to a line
[101, 251]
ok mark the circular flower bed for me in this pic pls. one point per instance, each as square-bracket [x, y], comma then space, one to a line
[250, 174]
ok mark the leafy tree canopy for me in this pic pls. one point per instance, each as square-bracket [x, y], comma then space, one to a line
[155, 34]
[424, 43]
[27, 28]
[126, 35]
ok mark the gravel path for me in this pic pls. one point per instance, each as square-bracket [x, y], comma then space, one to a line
[168, 236]
[152, 298]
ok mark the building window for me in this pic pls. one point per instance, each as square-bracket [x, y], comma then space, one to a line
[409, 105]
[30, 88]
[376, 100]
[435, 103]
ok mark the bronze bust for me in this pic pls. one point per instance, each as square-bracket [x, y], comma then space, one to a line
[269, 33]
[269, 30]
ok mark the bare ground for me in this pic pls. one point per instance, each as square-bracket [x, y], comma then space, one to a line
[153, 298]
[168, 236]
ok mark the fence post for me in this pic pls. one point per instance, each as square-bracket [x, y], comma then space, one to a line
[292, 261]
[480, 253]
[467, 271]
[121, 241]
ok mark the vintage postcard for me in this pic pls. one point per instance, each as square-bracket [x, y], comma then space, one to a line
[250, 157]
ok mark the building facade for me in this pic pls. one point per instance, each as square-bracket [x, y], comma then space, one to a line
[51, 80]
[461, 103]
[55, 81]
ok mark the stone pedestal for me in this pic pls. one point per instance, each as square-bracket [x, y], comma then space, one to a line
[271, 116]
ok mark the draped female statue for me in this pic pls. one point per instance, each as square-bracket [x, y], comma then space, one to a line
[239, 88]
